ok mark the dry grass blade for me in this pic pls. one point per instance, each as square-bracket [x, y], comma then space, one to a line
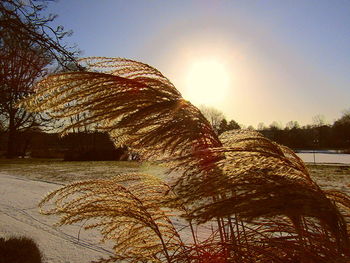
[127, 210]
[137, 105]
[261, 180]
[259, 193]
[127, 68]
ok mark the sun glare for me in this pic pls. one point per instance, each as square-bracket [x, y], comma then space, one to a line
[207, 82]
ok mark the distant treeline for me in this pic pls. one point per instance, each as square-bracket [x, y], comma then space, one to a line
[82, 146]
[98, 146]
[318, 136]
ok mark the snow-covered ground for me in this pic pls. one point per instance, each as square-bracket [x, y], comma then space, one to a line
[20, 193]
[324, 157]
[19, 216]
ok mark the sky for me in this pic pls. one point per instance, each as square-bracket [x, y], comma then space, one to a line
[256, 61]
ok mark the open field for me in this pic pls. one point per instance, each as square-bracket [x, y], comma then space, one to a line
[58, 171]
[24, 182]
[335, 177]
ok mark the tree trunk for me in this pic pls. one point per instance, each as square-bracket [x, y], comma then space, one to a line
[11, 142]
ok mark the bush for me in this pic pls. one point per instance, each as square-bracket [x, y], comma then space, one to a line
[19, 250]
[119, 154]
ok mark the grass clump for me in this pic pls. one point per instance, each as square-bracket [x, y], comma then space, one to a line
[256, 197]
[19, 250]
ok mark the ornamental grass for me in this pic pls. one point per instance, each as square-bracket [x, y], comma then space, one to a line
[255, 197]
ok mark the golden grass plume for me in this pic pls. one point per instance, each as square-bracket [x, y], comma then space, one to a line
[258, 194]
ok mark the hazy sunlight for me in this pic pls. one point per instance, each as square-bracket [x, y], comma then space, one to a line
[207, 82]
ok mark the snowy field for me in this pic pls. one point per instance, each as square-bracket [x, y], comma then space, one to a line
[324, 157]
[23, 185]
[19, 216]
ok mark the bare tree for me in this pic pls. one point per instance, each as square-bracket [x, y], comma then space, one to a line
[261, 126]
[213, 115]
[292, 125]
[319, 120]
[24, 21]
[28, 45]
[275, 126]
[21, 64]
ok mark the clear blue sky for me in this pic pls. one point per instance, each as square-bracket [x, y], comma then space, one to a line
[286, 60]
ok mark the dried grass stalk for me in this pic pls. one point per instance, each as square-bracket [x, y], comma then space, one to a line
[126, 209]
[259, 193]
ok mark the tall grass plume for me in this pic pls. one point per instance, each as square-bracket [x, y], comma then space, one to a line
[256, 196]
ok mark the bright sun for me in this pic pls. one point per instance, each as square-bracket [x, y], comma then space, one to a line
[207, 82]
